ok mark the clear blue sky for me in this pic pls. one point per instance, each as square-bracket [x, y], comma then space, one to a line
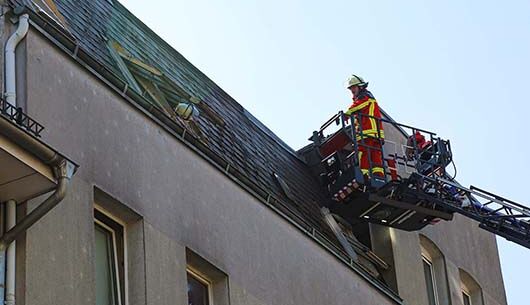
[460, 68]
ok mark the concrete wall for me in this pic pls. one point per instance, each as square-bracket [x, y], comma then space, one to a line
[462, 246]
[180, 202]
[473, 250]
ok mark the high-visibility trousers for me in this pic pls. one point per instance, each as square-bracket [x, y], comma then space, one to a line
[370, 149]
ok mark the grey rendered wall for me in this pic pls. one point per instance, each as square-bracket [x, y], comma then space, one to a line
[474, 250]
[184, 202]
[463, 246]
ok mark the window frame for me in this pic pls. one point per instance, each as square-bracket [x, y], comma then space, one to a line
[471, 288]
[120, 277]
[428, 261]
[468, 295]
[204, 280]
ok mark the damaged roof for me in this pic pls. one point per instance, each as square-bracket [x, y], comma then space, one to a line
[121, 43]
[114, 37]
[244, 142]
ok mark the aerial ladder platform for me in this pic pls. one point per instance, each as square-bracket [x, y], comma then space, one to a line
[415, 191]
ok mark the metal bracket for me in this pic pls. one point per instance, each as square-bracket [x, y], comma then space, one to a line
[65, 169]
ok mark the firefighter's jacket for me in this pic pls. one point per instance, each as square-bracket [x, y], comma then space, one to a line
[370, 118]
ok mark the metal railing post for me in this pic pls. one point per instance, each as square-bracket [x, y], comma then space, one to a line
[355, 142]
[381, 144]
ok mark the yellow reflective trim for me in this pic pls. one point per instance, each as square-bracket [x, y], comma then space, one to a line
[373, 131]
[371, 134]
[364, 171]
[378, 170]
[371, 112]
[358, 107]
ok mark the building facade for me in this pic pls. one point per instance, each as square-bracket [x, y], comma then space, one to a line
[214, 210]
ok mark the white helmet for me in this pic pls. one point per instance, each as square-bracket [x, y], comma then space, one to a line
[187, 111]
[355, 80]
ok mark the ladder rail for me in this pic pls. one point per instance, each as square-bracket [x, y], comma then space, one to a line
[522, 207]
[424, 178]
[507, 218]
[490, 197]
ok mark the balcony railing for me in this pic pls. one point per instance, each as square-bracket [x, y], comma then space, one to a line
[17, 116]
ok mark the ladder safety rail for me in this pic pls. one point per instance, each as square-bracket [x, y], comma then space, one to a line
[409, 168]
[490, 198]
[330, 121]
[391, 159]
[496, 214]
[392, 144]
[420, 164]
[357, 137]
[341, 118]
[505, 202]
[424, 194]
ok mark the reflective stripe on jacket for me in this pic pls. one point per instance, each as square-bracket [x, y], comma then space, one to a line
[367, 106]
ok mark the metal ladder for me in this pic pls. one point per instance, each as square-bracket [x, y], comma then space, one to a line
[494, 213]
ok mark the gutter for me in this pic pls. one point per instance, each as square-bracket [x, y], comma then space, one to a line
[64, 172]
[7, 241]
[46, 154]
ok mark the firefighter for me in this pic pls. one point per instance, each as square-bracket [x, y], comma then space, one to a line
[368, 126]
[421, 145]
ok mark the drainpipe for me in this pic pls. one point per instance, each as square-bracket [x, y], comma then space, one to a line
[64, 173]
[11, 207]
[11, 211]
[11, 218]
[11, 97]
[63, 170]
[9, 53]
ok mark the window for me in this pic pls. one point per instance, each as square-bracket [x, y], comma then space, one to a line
[207, 284]
[471, 291]
[435, 274]
[430, 281]
[466, 298]
[162, 91]
[156, 87]
[109, 262]
[199, 289]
